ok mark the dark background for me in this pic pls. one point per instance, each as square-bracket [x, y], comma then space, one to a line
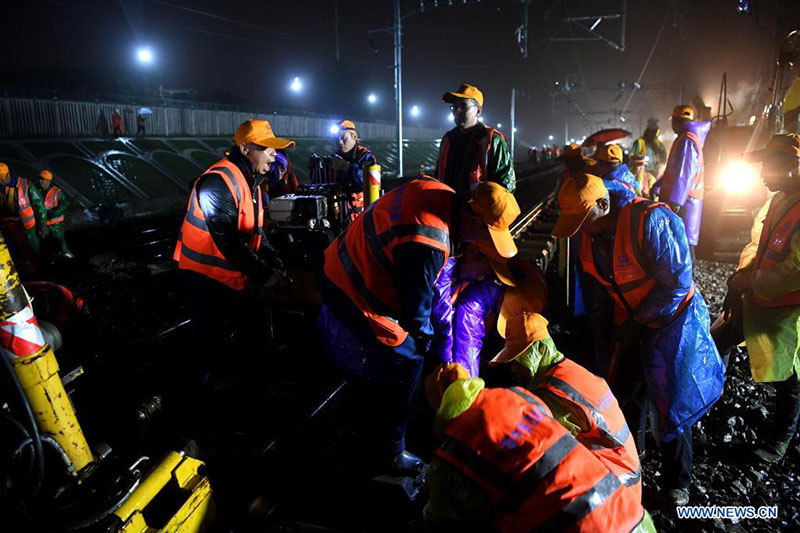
[247, 52]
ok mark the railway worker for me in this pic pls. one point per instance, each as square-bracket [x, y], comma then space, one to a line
[644, 178]
[117, 127]
[471, 152]
[57, 204]
[281, 179]
[222, 253]
[614, 172]
[349, 162]
[506, 465]
[375, 319]
[582, 402]
[650, 146]
[473, 294]
[24, 202]
[638, 283]
[682, 183]
[763, 302]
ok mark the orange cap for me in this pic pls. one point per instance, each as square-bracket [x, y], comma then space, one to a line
[347, 125]
[529, 293]
[610, 153]
[259, 132]
[576, 198]
[521, 332]
[782, 144]
[4, 170]
[497, 208]
[683, 111]
[46, 175]
[464, 91]
[441, 378]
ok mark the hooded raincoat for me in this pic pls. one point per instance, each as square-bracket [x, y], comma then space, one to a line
[622, 174]
[678, 184]
[681, 364]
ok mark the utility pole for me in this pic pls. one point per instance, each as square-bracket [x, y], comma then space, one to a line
[513, 122]
[398, 82]
[336, 26]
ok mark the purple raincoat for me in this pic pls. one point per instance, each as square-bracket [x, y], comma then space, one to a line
[684, 162]
[459, 329]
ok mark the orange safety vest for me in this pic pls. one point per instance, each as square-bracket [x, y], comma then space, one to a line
[630, 283]
[608, 436]
[670, 174]
[478, 172]
[774, 246]
[51, 201]
[26, 214]
[361, 260]
[196, 249]
[537, 476]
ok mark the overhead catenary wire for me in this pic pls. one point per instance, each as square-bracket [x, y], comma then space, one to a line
[649, 56]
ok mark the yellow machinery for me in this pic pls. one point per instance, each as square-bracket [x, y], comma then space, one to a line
[177, 479]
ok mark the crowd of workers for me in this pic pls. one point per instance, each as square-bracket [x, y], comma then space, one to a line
[418, 279]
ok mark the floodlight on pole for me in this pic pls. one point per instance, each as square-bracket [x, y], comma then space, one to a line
[499, 125]
[296, 85]
[144, 55]
[372, 98]
[550, 137]
[415, 111]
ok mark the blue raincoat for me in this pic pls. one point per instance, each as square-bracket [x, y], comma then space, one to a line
[682, 367]
[622, 174]
[461, 327]
[683, 164]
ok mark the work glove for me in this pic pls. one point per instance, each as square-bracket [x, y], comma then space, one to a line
[339, 164]
[42, 231]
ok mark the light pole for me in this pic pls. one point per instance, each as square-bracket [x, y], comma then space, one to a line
[398, 82]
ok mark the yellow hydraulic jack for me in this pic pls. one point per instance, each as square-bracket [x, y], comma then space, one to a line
[34, 363]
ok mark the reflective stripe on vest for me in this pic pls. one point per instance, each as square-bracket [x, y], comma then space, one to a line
[26, 214]
[196, 249]
[774, 246]
[51, 201]
[629, 283]
[607, 436]
[478, 171]
[361, 260]
[668, 181]
[537, 475]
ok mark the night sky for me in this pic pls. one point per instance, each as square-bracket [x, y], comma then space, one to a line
[249, 51]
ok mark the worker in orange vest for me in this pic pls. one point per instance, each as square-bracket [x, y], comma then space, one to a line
[763, 301]
[471, 152]
[21, 200]
[506, 465]
[581, 401]
[349, 163]
[57, 204]
[378, 282]
[639, 289]
[117, 129]
[222, 252]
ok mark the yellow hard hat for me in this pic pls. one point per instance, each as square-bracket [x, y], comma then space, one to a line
[683, 111]
[4, 170]
[46, 175]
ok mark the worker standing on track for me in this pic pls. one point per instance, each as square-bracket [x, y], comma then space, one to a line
[506, 465]
[222, 252]
[613, 171]
[650, 146]
[57, 204]
[644, 178]
[349, 162]
[682, 184]
[377, 291]
[471, 152]
[638, 282]
[763, 301]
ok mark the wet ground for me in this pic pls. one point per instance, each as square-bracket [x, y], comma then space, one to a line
[724, 471]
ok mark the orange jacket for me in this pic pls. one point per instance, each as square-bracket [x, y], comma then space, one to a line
[361, 261]
[538, 477]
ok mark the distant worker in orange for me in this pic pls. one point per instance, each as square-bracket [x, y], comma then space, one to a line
[117, 129]
[349, 161]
